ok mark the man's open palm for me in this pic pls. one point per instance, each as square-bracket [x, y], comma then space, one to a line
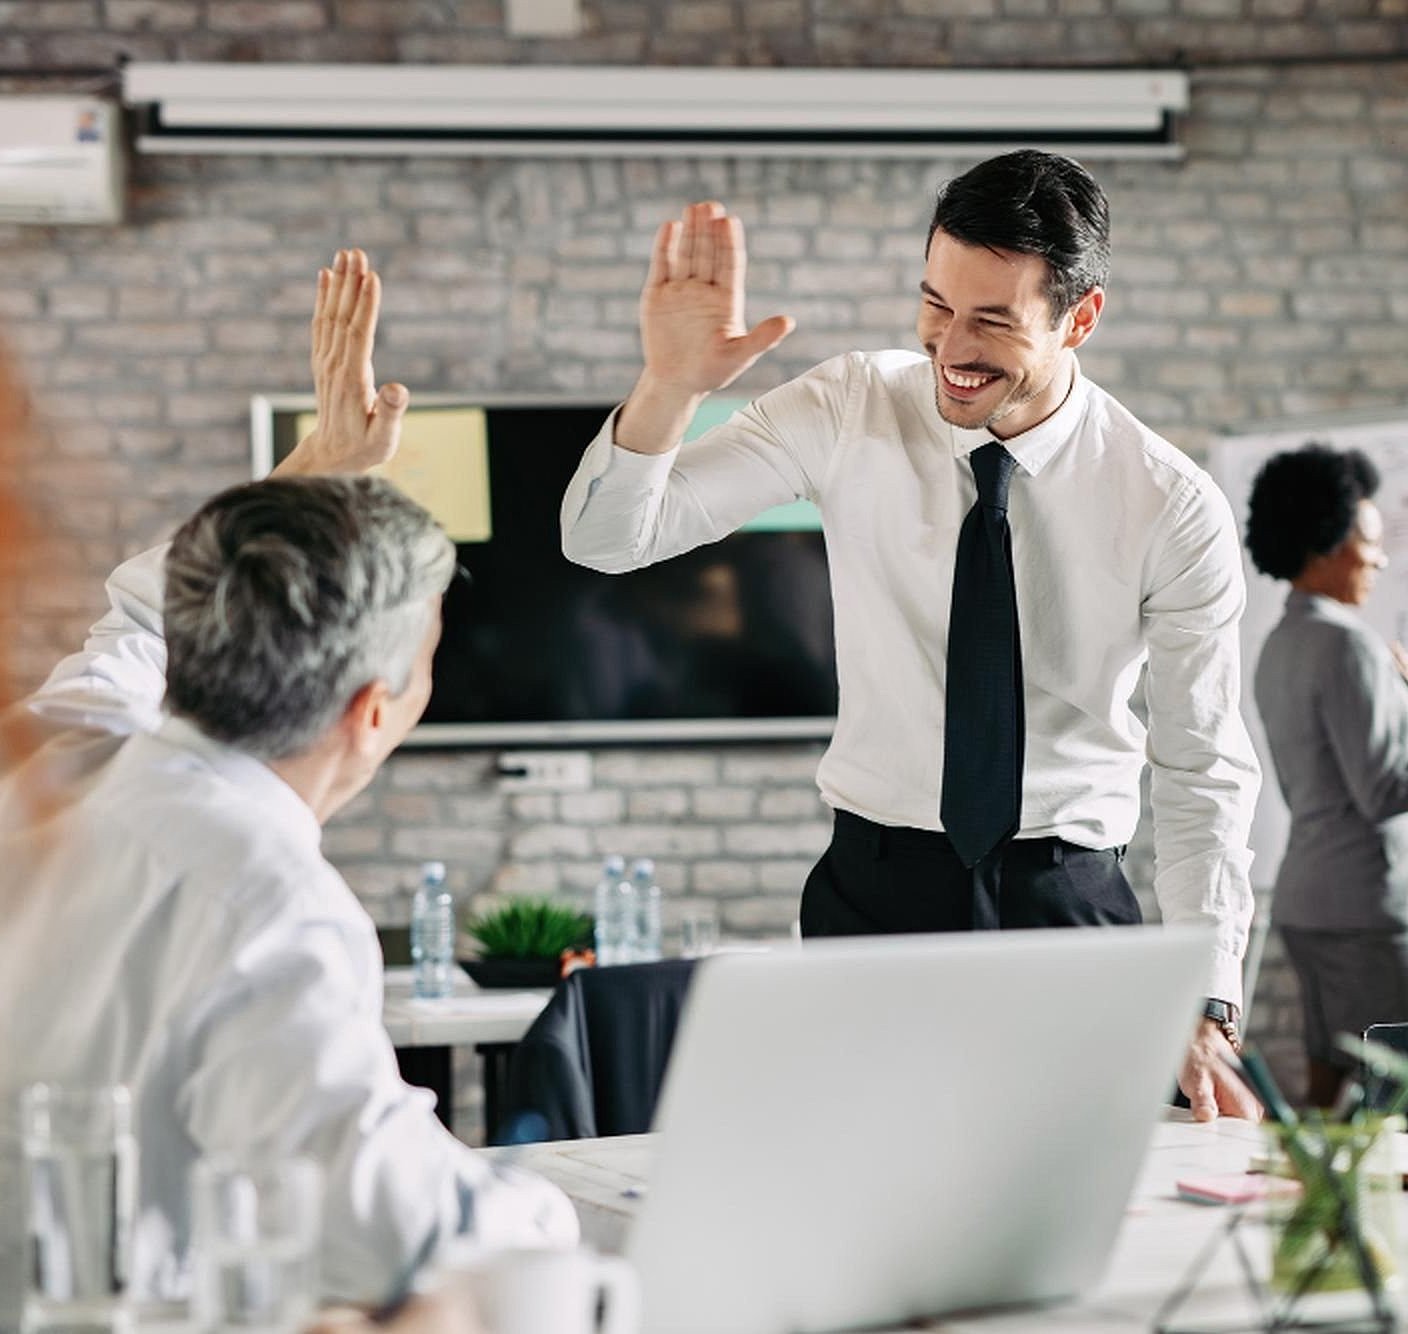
[692, 324]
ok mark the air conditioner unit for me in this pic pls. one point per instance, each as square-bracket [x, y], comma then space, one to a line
[60, 160]
[537, 110]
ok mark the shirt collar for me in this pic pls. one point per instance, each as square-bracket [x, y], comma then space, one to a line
[1033, 449]
[253, 777]
[1297, 600]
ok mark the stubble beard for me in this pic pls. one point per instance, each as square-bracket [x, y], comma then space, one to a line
[1017, 396]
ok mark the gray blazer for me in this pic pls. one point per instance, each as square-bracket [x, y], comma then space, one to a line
[1335, 710]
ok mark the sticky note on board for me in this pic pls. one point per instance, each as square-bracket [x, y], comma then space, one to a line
[443, 464]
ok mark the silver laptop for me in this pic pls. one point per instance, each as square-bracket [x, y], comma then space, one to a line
[865, 1131]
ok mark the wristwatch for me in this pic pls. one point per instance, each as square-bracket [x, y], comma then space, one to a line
[1225, 1015]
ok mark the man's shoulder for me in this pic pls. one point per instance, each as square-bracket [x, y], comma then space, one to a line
[1120, 427]
[1149, 460]
[894, 367]
[209, 830]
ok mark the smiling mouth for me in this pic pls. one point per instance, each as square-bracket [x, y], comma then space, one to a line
[965, 384]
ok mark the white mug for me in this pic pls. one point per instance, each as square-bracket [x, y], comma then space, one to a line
[536, 1291]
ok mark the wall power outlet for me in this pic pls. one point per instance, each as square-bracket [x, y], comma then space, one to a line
[545, 770]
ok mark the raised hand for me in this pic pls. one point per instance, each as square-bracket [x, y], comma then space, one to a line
[692, 325]
[692, 328]
[357, 427]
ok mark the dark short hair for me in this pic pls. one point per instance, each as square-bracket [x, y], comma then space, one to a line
[287, 596]
[1304, 504]
[1033, 203]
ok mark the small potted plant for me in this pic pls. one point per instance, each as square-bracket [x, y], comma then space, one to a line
[525, 943]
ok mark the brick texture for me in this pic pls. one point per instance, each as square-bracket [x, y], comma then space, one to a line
[1265, 275]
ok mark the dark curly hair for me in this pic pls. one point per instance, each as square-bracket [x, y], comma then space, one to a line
[1303, 504]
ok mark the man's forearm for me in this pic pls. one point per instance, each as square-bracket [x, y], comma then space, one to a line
[655, 416]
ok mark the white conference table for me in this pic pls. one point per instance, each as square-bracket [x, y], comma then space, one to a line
[470, 1016]
[425, 1033]
[1159, 1240]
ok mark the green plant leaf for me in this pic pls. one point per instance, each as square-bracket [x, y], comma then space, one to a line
[531, 928]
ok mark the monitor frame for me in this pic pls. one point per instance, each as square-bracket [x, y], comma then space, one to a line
[263, 409]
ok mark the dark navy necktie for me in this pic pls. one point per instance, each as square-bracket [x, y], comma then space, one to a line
[984, 721]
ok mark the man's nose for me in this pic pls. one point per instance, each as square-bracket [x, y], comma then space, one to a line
[952, 346]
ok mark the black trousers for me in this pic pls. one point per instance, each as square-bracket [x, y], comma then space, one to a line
[877, 880]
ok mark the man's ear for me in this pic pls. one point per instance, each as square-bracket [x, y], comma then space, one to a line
[1085, 315]
[365, 717]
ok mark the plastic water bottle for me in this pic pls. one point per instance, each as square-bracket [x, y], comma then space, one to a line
[433, 933]
[646, 894]
[605, 905]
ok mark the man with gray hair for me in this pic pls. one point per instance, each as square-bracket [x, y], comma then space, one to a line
[169, 922]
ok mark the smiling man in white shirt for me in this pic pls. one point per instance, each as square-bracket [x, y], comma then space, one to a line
[1120, 554]
[167, 919]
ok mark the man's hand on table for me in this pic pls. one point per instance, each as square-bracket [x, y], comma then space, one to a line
[1210, 1086]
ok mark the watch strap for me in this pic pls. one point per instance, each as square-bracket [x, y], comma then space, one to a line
[1225, 1015]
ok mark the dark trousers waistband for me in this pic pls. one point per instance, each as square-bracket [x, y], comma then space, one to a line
[877, 878]
[884, 839]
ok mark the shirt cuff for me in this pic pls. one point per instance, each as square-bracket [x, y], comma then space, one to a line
[1225, 980]
[614, 462]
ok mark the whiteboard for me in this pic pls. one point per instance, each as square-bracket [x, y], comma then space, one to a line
[1234, 461]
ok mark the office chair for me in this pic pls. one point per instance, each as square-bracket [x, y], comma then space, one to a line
[592, 1063]
[1378, 1091]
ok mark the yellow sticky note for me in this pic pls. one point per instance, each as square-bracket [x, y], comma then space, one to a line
[443, 464]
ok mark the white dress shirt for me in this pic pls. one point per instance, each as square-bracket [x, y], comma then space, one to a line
[1125, 554]
[171, 924]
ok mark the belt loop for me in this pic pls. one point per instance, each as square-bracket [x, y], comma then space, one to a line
[1058, 852]
[1120, 852]
[882, 843]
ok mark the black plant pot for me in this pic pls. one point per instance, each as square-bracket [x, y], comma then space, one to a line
[513, 972]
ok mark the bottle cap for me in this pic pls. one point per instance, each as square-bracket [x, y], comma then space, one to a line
[615, 864]
[643, 868]
[432, 872]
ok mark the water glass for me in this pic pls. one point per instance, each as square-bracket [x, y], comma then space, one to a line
[699, 932]
[256, 1226]
[79, 1168]
[1338, 1234]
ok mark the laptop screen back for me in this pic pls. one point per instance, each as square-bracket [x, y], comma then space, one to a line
[861, 1132]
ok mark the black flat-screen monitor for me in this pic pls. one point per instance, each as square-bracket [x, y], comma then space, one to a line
[732, 641]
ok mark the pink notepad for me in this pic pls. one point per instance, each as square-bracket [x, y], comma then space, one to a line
[1236, 1188]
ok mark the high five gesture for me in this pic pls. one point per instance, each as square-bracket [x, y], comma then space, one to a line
[693, 332]
[358, 427]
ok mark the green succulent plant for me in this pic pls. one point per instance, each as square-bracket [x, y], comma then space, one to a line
[529, 929]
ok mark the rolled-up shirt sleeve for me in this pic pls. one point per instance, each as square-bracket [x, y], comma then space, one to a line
[1205, 775]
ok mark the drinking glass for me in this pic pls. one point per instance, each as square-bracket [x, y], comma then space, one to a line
[699, 932]
[256, 1226]
[1336, 1240]
[79, 1168]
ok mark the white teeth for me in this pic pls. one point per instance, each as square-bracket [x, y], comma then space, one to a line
[966, 381]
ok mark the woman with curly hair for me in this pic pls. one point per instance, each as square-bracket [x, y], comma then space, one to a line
[1335, 705]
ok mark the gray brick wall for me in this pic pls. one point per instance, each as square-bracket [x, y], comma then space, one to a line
[1264, 276]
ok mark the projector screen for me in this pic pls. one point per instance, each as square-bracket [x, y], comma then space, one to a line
[732, 641]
